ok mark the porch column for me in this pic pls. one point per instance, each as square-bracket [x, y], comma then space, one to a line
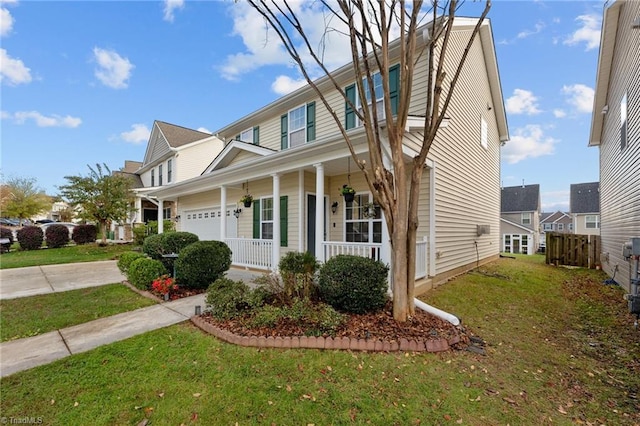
[319, 211]
[301, 215]
[223, 212]
[160, 216]
[276, 221]
[137, 217]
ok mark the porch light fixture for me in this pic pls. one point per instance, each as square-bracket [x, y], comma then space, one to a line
[177, 218]
[237, 212]
[334, 207]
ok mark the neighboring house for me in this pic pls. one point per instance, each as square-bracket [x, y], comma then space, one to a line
[520, 219]
[615, 129]
[585, 208]
[173, 154]
[555, 222]
[291, 157]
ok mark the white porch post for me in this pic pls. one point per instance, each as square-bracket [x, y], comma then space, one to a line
[276, 221]
[319, 211]
[138, 213]
[160, 216]
[223, 213]
[301, 216]
[431, 267]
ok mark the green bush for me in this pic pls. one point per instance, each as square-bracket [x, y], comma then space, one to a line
[126, 258]
[8, 234]
[298, 274]
[139, 234]
[201, 263]
[143, 271]
[354, 284]
[30, 237]
[84, 234]
[56, 236]
[315, 318]
[152, 246]
[174, 242]
[158, 245]
[227, 299]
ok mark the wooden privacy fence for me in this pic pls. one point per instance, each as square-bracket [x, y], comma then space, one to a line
[573, 250]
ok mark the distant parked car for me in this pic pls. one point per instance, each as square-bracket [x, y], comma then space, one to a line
[9, 222]
[69, 226]
[43, 221]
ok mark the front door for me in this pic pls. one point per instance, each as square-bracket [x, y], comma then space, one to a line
[311, 222]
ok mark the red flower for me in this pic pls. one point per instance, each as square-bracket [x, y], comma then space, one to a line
[164, 284]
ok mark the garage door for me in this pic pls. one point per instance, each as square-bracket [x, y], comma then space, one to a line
[205, 223]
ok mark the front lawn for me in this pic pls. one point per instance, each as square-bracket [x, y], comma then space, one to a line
[68, 254]
[30, 316]
[560, 349]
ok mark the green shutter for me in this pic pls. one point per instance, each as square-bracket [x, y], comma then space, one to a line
[349, 113]
[283, 221]
[256, 219]
[284, 132]
[256, 135]
[394, 87]
[311, 121]
[237, 137]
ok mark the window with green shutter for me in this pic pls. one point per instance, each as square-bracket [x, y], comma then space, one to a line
[298, 126]
[349, 113]
[311, 121]
[256, 135]
[263, 219]
[373, 99]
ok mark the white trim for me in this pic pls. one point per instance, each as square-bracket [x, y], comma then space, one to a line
[232, 149]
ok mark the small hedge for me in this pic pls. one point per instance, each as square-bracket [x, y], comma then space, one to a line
[84, 234]
[30, 237]
[298, 274]
[353, 284]
[227, 299]
[56, 236]
[126, 259]
[143, 271]
[201, 263]
[158, 245]
[6, 233]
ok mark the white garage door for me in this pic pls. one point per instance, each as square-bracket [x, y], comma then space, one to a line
[205, 223]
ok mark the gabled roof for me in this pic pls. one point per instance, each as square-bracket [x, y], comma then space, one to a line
[525, 198]
[517, 225]
[177, 136]
[585, 197]
[553, 217]
[231, 150]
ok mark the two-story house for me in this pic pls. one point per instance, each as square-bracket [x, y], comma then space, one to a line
[291, 158]
[520, 219]
[615, 130]
[584, 204]
[555, 222]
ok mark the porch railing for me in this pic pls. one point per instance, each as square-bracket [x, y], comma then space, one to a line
[252, 253]
[334, 248]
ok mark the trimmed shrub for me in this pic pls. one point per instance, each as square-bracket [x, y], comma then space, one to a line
[139, 234]
[201, 263]
[298, 274]
[354, 284]
[143, 271]
[174, 242]
[126, 259]
[316, 318]
[84, 234]
[6, 233]
[56, 236]
[227, 299]
[31, 237]
[152, 246]
[158, 245]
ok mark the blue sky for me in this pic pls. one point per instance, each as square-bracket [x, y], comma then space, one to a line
[83, 81]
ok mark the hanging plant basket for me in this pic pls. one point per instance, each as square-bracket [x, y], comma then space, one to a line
[348, 193]
[348, 197]
[247, 200]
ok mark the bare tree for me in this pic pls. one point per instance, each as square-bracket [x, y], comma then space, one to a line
[370, 25]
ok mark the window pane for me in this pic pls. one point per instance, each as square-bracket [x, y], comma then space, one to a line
[297, 138]
[247, 136]
[267, 230]
[267, 208]
[297, 119]
[358, 232]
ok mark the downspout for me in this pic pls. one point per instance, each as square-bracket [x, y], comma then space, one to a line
[437, 312]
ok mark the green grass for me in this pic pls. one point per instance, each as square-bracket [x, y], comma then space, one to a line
[69, 254]
[552, 357]
[25, 317]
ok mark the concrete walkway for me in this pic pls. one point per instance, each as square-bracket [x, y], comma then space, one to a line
[23, 354]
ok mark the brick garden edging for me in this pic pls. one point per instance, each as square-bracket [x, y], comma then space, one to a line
[311, 342]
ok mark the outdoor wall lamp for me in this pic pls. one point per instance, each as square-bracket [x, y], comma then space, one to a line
[177, 218]
[237, 212]
[334, 207]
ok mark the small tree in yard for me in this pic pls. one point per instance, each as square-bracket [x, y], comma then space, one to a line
[370, 27]
[22, 199]
[102, 196]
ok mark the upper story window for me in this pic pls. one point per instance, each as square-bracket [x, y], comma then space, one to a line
[570, 227]
[592, 221]
[298, 126]
[169, 170]
[153, 177]
[351, 120]
[160, 175]
[623, 122]
[547, 226]
[526, 218]
[561, 227]
[251, 135]
[484, 133]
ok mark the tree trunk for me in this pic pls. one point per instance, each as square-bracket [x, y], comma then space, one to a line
[103, 228]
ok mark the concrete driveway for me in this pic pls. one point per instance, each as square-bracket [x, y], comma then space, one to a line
[34, 280]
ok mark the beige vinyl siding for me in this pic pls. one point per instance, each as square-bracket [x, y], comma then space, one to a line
[159, 149]
[146, 178]
[193, 160]
[619, 170]
[467, 175]
[242, 157]
[270, 133]
[581, 225]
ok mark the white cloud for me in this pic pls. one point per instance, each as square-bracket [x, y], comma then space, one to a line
[527, 142]
[13, 70]
[6, 21]
[559, 113]
[285, 84]
[580, 97]
[588, 33]
[169, 7]
[553, 201]
[204, 130]
[522, 102]
[53, 120]
[139, 133]
[536, 29]
[114, 70]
